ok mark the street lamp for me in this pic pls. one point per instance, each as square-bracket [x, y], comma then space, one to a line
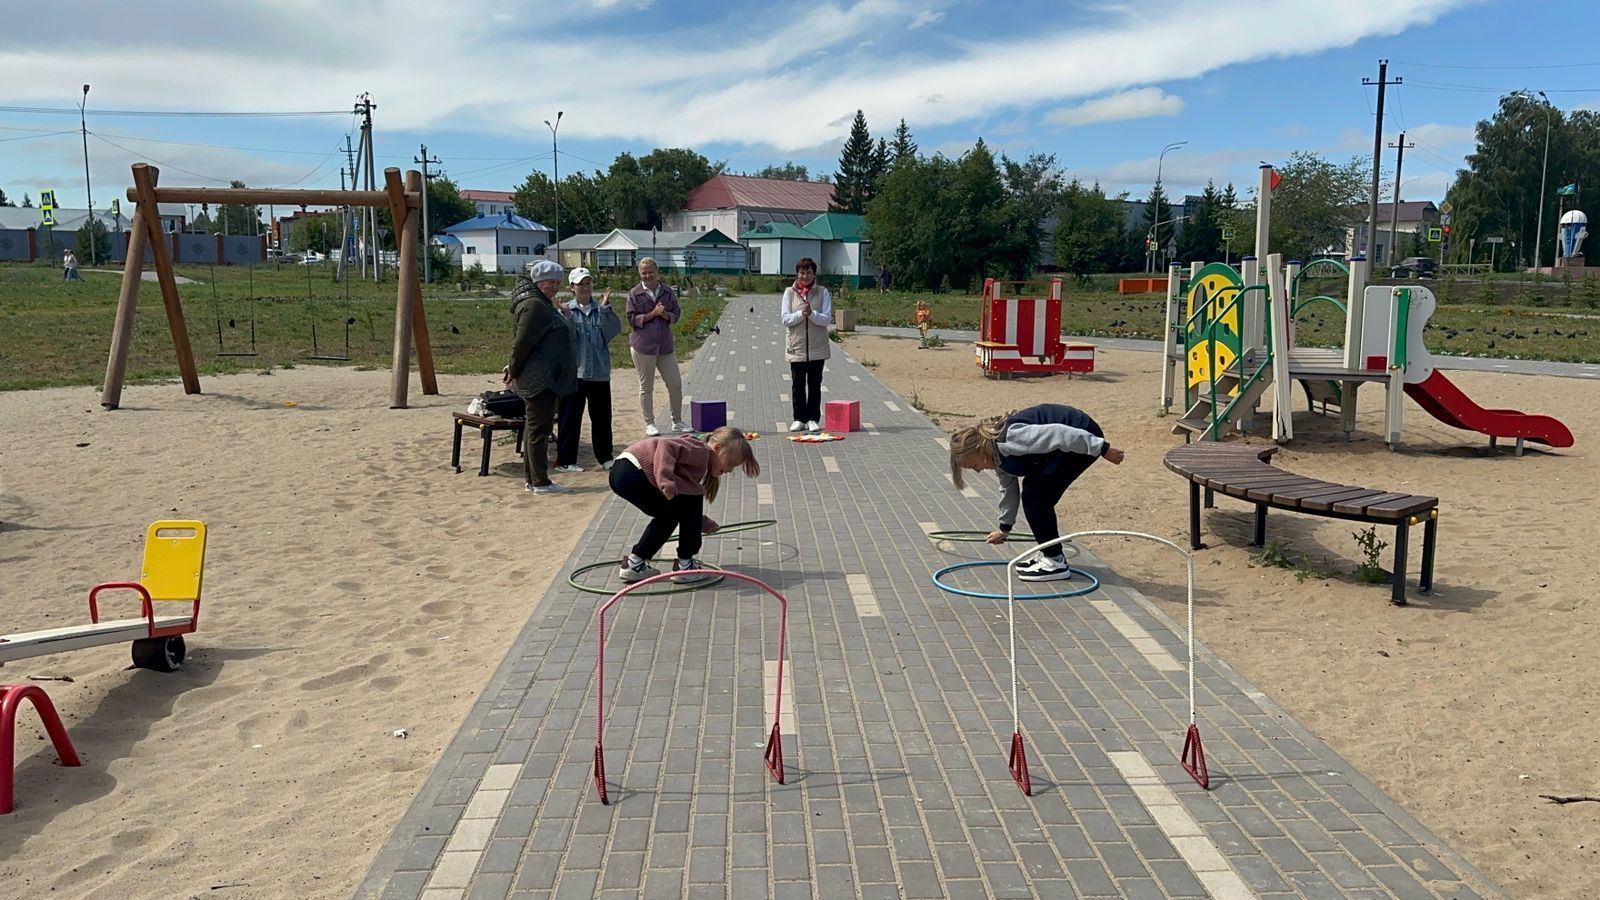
[1544, 168]
[555, 166]
[1151, 256]
[83, 125]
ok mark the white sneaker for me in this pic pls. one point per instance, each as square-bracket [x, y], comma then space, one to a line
[682, 427]
[797, 425]
[813, 427]
[1045, 569]
[629, 573]
[683, 565]
[551, 488]
[606, 466]
[651, 430]
[573, 467]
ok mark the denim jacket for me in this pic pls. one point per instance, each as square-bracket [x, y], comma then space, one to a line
[593, 327]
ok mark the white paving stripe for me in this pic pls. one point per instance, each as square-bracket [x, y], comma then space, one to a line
[830, 464]
[1202, 856]
[741, 386]
[861, 594]
[943, 442]
[1141, 640]
[968, 491]
[855, 377]
[741, 368]
[869, 428]
[719, 377]
[783, 398]
[769, 675]
[464, 851]
[893, 406]
[826, 389]
[764, 495]
[766, 362]
[786, 376]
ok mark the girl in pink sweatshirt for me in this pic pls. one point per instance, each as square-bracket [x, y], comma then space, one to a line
[670, 479]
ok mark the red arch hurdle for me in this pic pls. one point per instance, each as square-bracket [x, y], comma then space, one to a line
[773, 757]
[11, 697]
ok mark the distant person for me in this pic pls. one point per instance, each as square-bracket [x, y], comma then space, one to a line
[885, 280]
[806, 311]
[593, 327]
[542, 369]
[69, 266]
[652, 310]
[1037, 453]
[671, 480]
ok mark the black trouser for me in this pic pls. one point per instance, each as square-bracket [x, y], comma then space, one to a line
[681, 512]
[539, 413]
[807, 390]
[597, 394]
[1042, 491]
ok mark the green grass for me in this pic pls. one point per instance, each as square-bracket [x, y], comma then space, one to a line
[58, 333]
[1544, 331]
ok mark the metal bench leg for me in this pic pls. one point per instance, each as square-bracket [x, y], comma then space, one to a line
[488, 438]
[1194, 516]
[1261, 525]
[1430, 539]
[1402, 537]
[455, 449]
[1211, 499]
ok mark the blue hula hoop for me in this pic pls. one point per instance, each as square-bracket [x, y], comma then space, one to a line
[1094, 583]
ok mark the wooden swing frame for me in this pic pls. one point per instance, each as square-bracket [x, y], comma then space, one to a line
[410, 322]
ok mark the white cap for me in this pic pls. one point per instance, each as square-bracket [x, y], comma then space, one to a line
[577, 275]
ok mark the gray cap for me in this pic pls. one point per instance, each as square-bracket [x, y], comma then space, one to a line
[545, 270]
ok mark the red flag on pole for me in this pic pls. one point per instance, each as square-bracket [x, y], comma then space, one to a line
[1276, 180]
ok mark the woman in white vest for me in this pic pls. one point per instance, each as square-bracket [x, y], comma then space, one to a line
[807, 312]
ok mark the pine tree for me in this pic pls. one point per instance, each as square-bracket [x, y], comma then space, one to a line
[904, 146]
[27, 201]
[1201, 238]
[4, 200]
[854, 182]
[881, 159]
[1158, 221]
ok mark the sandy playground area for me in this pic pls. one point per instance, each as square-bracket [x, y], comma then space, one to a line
[355, 586]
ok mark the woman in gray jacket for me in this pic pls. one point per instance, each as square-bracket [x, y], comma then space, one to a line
[594, 325]
[807, 310]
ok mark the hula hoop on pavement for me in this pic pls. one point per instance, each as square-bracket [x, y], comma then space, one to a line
[1094, 583]
[680, 589]
[1070, 551]
[734, 528]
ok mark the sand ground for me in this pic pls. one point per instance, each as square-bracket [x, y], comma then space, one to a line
[356, 586]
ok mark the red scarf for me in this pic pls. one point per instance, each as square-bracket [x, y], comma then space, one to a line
[804, 290]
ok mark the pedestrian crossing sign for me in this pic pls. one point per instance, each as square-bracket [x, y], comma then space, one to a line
[47, 216]
[1435, 235]
[47, 200]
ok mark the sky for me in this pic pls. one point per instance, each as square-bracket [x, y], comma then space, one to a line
[1104, 86]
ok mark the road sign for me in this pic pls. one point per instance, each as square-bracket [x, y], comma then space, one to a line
[1229, 234]
[47, 215]
[1494, 240]
[1445, 207]
[1435, 235]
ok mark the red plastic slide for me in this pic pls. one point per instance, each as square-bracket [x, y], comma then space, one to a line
[1440, 397]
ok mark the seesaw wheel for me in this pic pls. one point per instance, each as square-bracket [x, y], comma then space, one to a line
[162, 654]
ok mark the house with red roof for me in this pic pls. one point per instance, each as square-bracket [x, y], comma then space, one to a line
[736, 204]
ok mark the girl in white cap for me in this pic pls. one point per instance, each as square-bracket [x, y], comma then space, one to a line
[594, 325]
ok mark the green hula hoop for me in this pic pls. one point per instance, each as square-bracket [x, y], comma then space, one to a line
[733, 528]
[680, 589]
[974, 537]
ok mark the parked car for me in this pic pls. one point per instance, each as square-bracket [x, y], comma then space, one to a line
[311, 258]
[1414, 267]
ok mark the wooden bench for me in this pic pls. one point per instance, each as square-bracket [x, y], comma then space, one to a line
[1246, 472]
[487, 426]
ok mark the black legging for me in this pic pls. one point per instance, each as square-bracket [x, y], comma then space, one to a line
[681, 512]
[807, 391]
[1042, 491]
[597, 395]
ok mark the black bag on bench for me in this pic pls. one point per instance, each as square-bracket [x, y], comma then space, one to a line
[504, 404]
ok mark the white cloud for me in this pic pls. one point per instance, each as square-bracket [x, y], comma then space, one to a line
[1142, 103]
[925, 18]
[1437, 135]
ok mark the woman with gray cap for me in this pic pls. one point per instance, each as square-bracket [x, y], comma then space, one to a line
[594, 325]
[543, 368]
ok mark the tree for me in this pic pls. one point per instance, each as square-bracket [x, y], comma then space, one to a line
[978, 202]
[1158, 224]
[317, 233]
[237, 218]
[1314, 204]
[789, 171]
[643, 192]
[1089, 230]
[624, 189]
[909, 222]
[201, 224]
[904, 147]
[1201, 238]
[27, 201]
[881, 160]
[854, 185]
[1033, 190]
[446, 206]
[4, 200]
[94, 240]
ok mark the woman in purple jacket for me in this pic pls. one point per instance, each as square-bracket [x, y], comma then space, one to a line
[652, 308]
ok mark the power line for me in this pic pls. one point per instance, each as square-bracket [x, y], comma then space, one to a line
[175, 114]
[157, 161]
[1474, 88]
[34, 137]
[1489, 68]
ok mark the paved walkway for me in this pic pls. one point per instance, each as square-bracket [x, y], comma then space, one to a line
[1461, 363]
[895, 716]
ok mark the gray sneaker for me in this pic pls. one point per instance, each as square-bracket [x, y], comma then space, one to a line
[629, 574]
[551, 488]
[569, 468]
[686, 565]
[1045, 568]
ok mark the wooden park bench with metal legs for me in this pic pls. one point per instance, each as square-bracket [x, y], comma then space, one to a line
[1245, 472]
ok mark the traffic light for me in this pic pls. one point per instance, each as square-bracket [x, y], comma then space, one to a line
[1446, 229]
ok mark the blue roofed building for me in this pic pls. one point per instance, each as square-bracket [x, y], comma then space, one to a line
[504, 242]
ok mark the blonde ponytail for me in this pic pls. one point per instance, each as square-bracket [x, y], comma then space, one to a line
[980, 440]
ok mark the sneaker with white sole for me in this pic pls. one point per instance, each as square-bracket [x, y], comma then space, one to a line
[568, 468]
[797, 425]
[551, 488]
[606, 466]
[684, 565]
[813, 427]
[651, 430]
[1046, 568]
[682, 427]
[629, 571]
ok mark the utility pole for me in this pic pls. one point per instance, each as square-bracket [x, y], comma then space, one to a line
[83, 125]
[365, 106]
[1377, 158]
[427, 233]
[1394, 212]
